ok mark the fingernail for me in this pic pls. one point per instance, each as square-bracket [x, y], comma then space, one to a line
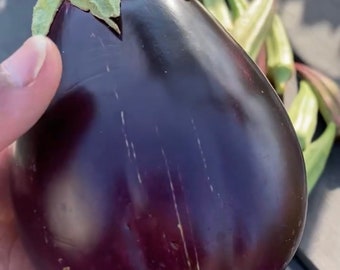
[23, 67]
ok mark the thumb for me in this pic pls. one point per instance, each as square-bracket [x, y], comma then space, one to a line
[28, 81]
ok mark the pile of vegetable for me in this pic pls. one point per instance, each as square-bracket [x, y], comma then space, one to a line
[166, 146]
[258, 28]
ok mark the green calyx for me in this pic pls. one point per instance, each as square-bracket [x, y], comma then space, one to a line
[44, 12]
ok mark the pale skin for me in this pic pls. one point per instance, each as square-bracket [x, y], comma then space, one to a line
[28, 81]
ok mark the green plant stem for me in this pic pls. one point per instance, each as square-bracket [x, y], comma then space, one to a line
[304, 114]
[326, 91]
[279, 55]
[251, 28]
[237, 7]
[220, 10]
[317, 154]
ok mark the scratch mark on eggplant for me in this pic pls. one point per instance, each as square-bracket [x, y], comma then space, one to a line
[94, 76]
[139, 178]
[174, 199]
[167, 241]
[133, 150]
[130, 147]
[196, 257]
[101, 42]
[204, 160]
[122, 117]
[108, 68]
[135, 158]
[63, 242]
[116, 94]
[189, 219]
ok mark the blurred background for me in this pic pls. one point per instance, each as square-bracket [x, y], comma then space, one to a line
[314, 30]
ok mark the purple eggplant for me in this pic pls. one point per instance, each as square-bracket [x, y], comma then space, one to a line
[164, 148]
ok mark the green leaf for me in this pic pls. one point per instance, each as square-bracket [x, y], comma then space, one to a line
[102, 9]
[45, 10]
[43, 15]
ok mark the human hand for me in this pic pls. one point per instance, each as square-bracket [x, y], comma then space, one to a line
[28, 81]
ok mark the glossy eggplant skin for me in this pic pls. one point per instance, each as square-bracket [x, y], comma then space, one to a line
[164, 148]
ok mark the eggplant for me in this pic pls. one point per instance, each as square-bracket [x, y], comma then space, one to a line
[165, 147]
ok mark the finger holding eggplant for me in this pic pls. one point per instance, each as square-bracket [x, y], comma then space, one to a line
[28, 81]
